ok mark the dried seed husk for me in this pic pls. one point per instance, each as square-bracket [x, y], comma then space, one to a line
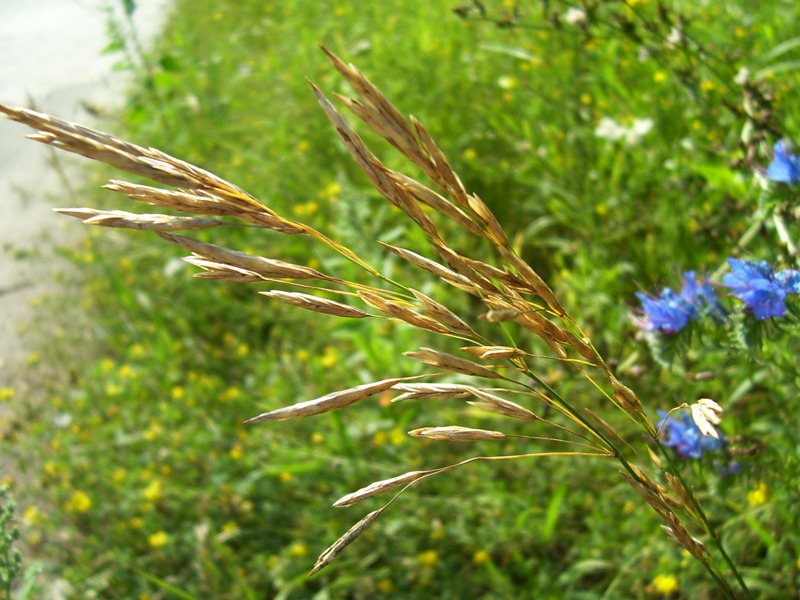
[220, 272]
[438, 391]
[431, 266]
[339, 545]
[454, 433]
[327, 403]
[401, 312]
[494, 352]
[494, 403]
[266, 267]
[144, 222]
[443, 314]
[317, 304]
[378, 487]
[451, 363]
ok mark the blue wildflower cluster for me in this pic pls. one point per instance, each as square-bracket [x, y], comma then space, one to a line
[785, 166]
[763, 290]
[755, 283]
[683, 434]
[671, 312]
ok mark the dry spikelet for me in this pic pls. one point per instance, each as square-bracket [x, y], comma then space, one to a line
[431, 266]
[454, 433]
[436, 391]
[443, 314]
[494, 403]
[401, 312]
[536, 284]
[501, 315]
[220, 272]
[437, 202]
[625, 398]
[336, 548]
[679, 490]
[326, 403]
[199, 202]
[128, 220]
[266, 267]
[494, 352]
[451, 363]
[379, 487]
[317, 304]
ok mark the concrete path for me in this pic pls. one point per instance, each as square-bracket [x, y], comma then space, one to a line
[50, 60]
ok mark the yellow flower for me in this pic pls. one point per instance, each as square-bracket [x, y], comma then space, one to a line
[664, 585]
[32, 516]
[298, 549]
[119, 475]
[236, 452]
[428, 558]
[660, 77]
[153, 490]
[6, 393]
[178, 392]
[586, 99]
[78, 502]
[329, 357]
[481, 557]
[759, 495]
[385, 586]
[158, 540]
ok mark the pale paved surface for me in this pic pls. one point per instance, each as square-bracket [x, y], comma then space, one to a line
[50, 59]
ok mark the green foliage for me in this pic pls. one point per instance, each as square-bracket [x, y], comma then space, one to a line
[10, 558]
[154, 487]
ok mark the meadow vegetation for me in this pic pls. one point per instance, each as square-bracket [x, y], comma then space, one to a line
[619, 144]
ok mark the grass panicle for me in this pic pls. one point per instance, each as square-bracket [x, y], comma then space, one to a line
[509, 289]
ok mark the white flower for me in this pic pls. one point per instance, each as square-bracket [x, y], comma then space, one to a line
[706, 413]
[609, 129]
[575, 15]
[638, 129]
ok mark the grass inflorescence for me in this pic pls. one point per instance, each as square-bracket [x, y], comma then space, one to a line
[505, 287]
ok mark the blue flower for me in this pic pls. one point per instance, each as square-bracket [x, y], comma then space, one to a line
[785, 167]
[682, 434]
[669, 313]
[760, 288]
[702, 297]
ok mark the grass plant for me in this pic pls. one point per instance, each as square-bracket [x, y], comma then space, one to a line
[147, 454]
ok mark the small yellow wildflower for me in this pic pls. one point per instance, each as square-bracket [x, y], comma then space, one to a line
[398, 436]
[385, 586]
[298, 549]
[119, 475]
[158, 540]
[507, 82]
[236, 452]
[329, 357]
[242, 350]
[79, 502]
[153, 490]
[664, 585]
[469, 154]
[481, 557]
[660, 77]
[380, 438]
[33, 516]
[6, 393]
[126, 372]
[586, 99]
[429, 558]
[759, 495]
[178, 392]
[317, 438]
[285, 477]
